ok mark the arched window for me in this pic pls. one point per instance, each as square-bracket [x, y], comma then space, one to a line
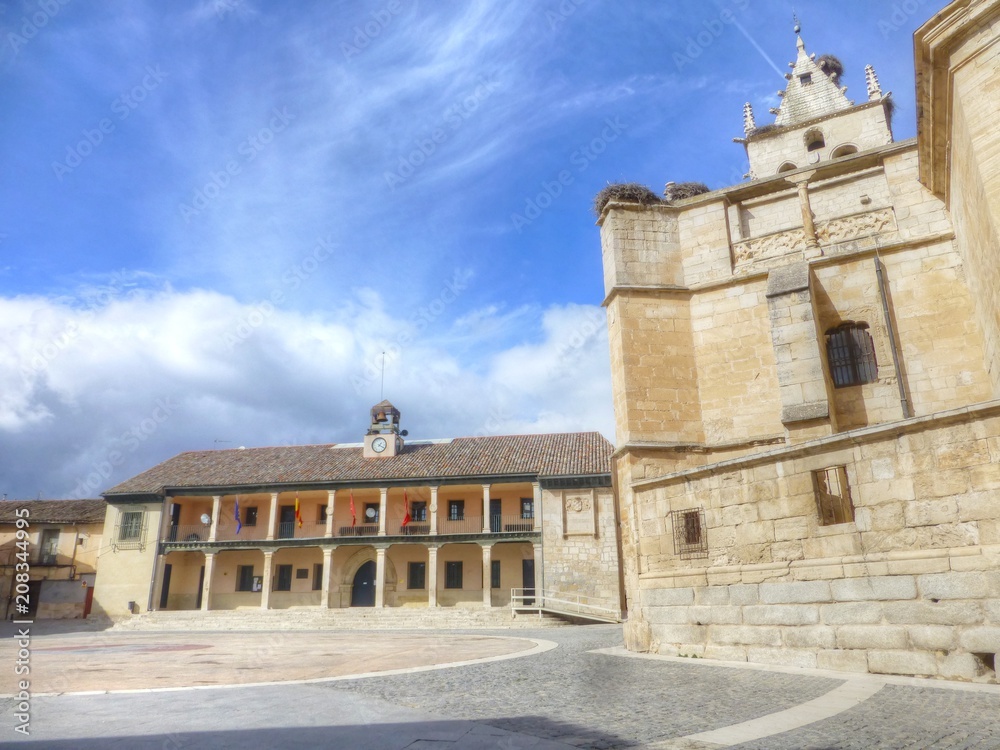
[850, 352]
[814, 140]
[786, 167]
[846, 150]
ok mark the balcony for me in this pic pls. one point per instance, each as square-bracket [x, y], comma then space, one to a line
[468, 525]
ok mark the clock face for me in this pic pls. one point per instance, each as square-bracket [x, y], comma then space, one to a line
[378, 445]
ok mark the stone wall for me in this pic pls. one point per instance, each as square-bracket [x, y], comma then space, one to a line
[911, 586]
[580, 547]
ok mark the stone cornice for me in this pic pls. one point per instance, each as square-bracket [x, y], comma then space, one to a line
[674, 290]
[859, 436]
[935, 43]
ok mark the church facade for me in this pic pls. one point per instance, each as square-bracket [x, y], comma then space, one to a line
[383, 523]
[806, 380]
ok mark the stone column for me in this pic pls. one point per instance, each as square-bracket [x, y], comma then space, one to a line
[486, 509]
[808, 224]
[330, 495]
[380, 577]
[272, 519]
[432, 576]
[265, 590]
[382, 507]
[536, 494]
[487, 577]
[206, 589]
[216, 507]
[327, 570]
[434, 511]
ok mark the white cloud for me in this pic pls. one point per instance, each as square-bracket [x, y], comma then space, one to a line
[94, 395]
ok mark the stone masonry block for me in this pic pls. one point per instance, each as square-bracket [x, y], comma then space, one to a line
[931, 613]
[787, 279]
[746, 635]
[781, 614]
[667, 597]
[718, 614]
[932, 637]
[981, 640]
[787, 657]
[817, 636]
[678, 633]
[795, 592]
[741, 594]
[726, 653]
[712, 595]
[872, 636]
[974, 585]
[842, 661]
[851, 613]
[805, 412]
[961, 666]
[880, 588]
[902, 662]
[667, 615]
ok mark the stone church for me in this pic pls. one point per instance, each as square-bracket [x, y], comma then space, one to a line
[806, 375]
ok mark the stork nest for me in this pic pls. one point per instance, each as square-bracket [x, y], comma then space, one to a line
[628, 192]
[832, 66]
[676, 191]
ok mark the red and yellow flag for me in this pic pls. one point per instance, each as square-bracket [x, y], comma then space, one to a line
[354, 516]
[406, 510]
[298, 515]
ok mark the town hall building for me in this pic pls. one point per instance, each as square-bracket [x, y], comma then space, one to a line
[387, 522]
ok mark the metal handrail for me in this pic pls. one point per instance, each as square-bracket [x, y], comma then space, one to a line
[580, 604]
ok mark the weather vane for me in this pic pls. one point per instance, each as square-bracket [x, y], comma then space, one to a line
[795, 19]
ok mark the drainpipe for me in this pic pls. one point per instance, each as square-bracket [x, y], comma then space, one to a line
[884, 294]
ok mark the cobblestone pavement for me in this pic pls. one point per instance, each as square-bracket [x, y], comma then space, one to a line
[565, 698]
[627, 702]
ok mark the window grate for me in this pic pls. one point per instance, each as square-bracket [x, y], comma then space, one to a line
[690, 537]
[851, 355]
[131, 531]
[833, 496]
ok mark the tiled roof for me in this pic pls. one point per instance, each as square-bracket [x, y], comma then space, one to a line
[55, 511]
[565, 454]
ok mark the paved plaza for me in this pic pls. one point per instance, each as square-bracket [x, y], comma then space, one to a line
[544, 689]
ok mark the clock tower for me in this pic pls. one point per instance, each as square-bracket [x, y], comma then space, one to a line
[384, 438]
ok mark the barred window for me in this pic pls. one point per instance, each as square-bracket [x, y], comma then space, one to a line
[690, 539]
[833, 496]
[131, 530]
[851, 354]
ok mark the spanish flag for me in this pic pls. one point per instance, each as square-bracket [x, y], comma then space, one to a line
[298, 515]
[406, 510]
[354, 516]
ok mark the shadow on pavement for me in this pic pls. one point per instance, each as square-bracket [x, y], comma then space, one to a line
[56, 627]
[422, 735]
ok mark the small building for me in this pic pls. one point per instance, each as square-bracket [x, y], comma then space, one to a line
[54, 544]
[381, 523]
[806, 380]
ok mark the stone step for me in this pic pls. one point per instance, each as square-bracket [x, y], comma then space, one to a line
[347, 619]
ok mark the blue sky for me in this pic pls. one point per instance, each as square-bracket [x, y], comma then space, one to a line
[215, 216]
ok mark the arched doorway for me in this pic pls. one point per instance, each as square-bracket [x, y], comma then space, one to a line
[363, 588]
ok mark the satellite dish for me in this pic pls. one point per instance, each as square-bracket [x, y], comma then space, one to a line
[206, 519]
[404, 433]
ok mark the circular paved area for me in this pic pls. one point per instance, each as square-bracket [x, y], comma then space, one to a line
[585, 693]
[134, 661]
